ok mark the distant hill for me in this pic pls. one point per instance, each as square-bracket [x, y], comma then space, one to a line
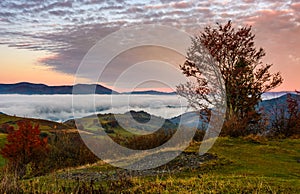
[150, 92]
[110, 122]
[271, 95]
[191, 119]
[31, 88]
[275, 101]
[269, 106]
[45, 125]
[27, 88]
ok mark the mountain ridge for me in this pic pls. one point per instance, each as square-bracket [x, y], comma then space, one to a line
[32, 89]
[28, 88]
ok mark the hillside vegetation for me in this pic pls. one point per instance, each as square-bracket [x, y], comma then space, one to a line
[233, 165]
[44, 125]
[265, 162]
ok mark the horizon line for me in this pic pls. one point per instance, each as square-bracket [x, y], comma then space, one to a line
[104, 85]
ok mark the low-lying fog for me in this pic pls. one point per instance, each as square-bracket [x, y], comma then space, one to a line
[60, 108]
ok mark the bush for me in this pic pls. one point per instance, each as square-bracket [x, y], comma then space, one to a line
[67, 150]
[24, 146]
[199, 135]
[6, 128]
[9, 181]
[286, 122]
[144, 142]
[255, 138]
[234, 128]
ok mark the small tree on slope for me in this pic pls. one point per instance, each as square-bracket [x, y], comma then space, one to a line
[24, 146]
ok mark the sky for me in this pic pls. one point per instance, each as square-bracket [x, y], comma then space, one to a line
[44, 41]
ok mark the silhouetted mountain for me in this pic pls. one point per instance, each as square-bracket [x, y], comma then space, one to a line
[267, 107]
[191, 119]
[270, 106]
[150, 92]
[31, 88]
[271, 95]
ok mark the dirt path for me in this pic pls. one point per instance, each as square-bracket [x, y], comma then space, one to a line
[183, 162]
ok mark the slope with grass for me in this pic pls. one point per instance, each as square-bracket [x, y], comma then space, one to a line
[111, 123]
[233, 165]
[44, 125]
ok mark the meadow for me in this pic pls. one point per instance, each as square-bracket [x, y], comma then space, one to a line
[240, 166]
[233, 165]
[246, 164]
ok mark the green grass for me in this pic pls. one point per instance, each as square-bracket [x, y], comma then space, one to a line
[44, 125]
[242, 166]
[109, 122]
[2, 142]
[277, 158]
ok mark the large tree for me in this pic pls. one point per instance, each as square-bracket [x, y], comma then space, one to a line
[240, 64]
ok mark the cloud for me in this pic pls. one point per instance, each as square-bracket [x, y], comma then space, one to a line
[294, 58]
[94, 2]
[181, 5]
[69, 28]
[276, 31]
[60, 12]
[157, 6]
[6, 14]
[59, 107]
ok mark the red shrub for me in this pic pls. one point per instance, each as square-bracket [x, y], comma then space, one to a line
[24, 146]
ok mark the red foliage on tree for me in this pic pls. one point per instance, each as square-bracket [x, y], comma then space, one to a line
[240, 64]
[6, 128]
[292, 123]
[286, 122]
[24, 145]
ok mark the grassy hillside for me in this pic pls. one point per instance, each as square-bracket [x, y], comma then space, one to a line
[45, 125]
[110, 123]
[233, 165]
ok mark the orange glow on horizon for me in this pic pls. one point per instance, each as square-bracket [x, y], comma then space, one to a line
[18, 65]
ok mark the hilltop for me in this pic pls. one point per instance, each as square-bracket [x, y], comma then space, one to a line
[45, 125]
[31, 88]
[27, 88]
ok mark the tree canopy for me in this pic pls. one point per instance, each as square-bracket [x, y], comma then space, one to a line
[245, 76]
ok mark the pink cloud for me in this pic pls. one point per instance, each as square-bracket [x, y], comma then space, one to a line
[277, 32]
[157, 6]
[181, 5]
[296, 6]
